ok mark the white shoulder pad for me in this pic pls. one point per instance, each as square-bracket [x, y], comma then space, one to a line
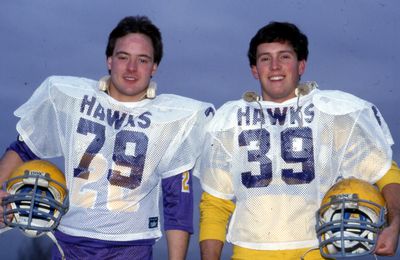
[335, 102]
[171, 101]
[71, 86]
[176, 107]
[57, 87]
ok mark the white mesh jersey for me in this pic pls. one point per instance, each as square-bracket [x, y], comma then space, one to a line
[278, 162]
[115, 153]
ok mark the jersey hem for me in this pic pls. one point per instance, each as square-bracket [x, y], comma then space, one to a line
[216, 193]
[178, 170]
[277, 246]
[110, 237]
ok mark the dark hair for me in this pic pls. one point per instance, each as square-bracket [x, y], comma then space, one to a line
[279, 32]
[136, 24]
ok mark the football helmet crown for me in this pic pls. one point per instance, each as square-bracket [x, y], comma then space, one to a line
[38, 197]
[350, 217]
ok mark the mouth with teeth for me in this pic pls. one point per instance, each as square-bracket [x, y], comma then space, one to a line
[130, 78]
[276, 78]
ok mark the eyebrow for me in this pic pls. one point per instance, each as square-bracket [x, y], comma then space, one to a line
[279, 52]
[140, 55]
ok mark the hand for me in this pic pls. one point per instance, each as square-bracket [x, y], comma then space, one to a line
[387, 242]
[9, 217]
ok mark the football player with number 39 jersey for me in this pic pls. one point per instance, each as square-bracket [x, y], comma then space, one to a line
[277, 155]
[122, 145]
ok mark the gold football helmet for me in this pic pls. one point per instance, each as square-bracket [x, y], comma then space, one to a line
[351, 215]
[38, 197]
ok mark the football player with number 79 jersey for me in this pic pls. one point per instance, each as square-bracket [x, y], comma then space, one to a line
[123, 145]
[270, 160]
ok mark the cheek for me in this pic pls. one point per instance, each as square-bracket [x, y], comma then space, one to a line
[295, 70]
[117, 67]
[147, 71]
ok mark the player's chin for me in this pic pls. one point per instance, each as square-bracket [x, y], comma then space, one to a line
[135, 92]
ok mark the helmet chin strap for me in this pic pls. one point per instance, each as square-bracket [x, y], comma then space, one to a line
[50, 234]
[104, 85]
[308, 251]
[251, 96]
[302, 90]
[54, 239]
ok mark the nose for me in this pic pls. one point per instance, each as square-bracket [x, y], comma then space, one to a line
[275, 63]
[132, 65]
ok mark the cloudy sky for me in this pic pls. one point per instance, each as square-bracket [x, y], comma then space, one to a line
[353, 47]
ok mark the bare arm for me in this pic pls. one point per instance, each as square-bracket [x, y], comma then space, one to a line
[178, 242]
[388, 239]
[211, 249]
[8, 163]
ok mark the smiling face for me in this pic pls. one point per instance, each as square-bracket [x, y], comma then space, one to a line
[131, 65]
[278, 70]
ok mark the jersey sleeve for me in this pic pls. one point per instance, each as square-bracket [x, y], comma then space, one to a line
[367, 152]
[214, 168]
[392, 176]
[215, 163]
[22, 150]
[371, 144]
[214, 216]
[338, 103]
[178, 202]
[38, 123]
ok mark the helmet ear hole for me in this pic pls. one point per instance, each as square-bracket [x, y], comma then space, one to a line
[351, 215]
[38, 198]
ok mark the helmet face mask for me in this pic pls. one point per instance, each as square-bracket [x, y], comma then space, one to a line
[350, 218]
[38, 198]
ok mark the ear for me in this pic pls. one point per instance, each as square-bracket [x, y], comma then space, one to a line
[302, 67]
[154, 69]
[254, 71]
[109, 62]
